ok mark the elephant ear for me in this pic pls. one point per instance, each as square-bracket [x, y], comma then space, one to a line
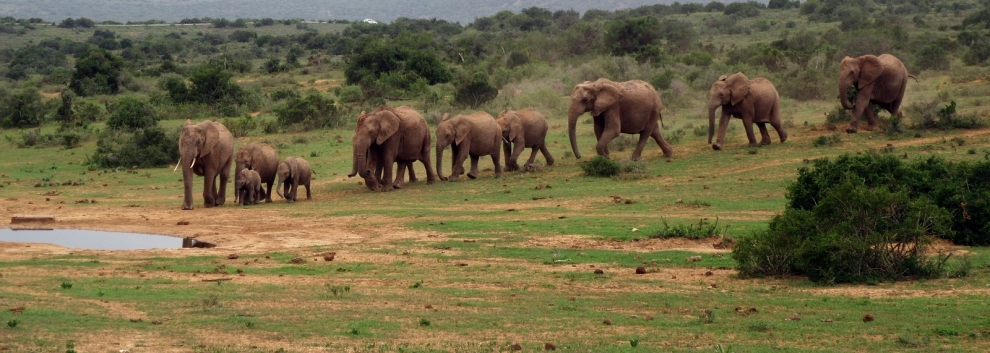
[211, 137]
[388, 125]
[870, 69]
[608, 95]
[722, 78]
[515, 126]
[461, 131]
[739, 86]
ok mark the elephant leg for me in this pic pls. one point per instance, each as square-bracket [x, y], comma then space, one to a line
[295, 190]
[400, 174]
[510, 164]
[750, 134]
[412, 174]
[862, 106]
[871, 119]
[495, 157]
[532, 158]
[517, 149]
[460, 153]
[431, 176]
[546, 155]
[268, 192]
[473, 174]
[723, 126]
[309, 196]
[640, 145]
[664, 146]
[209, 189]
[764, 134]
[610, 132]
[285, 190]
[387, 176]
[224, 179]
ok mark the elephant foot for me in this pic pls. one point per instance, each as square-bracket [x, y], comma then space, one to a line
[850, 131]
[717, 147]
[472, 176]
[871, 127]
[453, 178]
[413, 180]
[431, 181]
[398, 186]
[549, 163]
[187, 207]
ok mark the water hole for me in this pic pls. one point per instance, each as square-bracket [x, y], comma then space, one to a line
[99, 240]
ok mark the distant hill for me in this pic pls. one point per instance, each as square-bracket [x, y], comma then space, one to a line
[463, 11]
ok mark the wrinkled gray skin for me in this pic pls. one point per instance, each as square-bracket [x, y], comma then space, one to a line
[292, 172]
[880, 80]
[631, 107]
[387, 136]
[205, 149]
[247, 183]
[475, 135]
[753, 101]
[523, 129]
[261, 158]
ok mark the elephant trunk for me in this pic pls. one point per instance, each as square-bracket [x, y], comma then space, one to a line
[440, 148]
[711, 121]
[572, 116]
[278, 188]
[354, 164]
[187, 179]
[844, 97]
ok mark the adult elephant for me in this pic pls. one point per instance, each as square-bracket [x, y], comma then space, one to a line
[476, 134]
[386, 136]
[523, 129]
[292, 172]
[631, 107]
[206, 149]
[753, 101]
[261, 158]
[880, 80]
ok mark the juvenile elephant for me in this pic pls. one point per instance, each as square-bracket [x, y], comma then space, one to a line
[292, 172]
[205, 149]
[476, 134]
[631, 107]
[523, 129]
[386, 136]
[262, 159]
[247, 183]
[880, 80]
[753, 101]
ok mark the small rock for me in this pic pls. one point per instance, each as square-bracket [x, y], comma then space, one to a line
[607, 322]
[233, 256]
[549, 347]
[641, 270]
[329, 256]
[298, 260]
[649, 318]
[428, 306]
[182, 223]
[599, 271]
[795, 317]
[135, 320]
[868, 318]
[515, 347]
[708, 273]
[826, 320]
[693, 258]
[156, 322]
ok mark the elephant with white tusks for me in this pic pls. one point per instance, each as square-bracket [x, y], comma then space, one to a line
[205, 149]
[292, 172]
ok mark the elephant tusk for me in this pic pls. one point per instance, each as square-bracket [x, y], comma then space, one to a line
[505, 139]
[177, 166]
[193, 163]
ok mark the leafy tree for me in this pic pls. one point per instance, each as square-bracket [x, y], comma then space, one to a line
[144, 148]
[243, 36]
[629, 36]
[97, 72]
[39, 59]
[314, 111]
[132, 114]
[22, 109]
[474, 90]
[978, 53]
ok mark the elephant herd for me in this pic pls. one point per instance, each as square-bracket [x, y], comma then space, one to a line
[400, 136]
[207, 149]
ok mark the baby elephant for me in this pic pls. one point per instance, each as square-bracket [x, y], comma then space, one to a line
[293, 171]
[523, 129]
[248, 185]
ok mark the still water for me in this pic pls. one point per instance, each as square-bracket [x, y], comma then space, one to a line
[98, 240]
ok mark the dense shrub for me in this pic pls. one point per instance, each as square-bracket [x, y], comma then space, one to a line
[97, 72]
[240, 127]
[21, 109]
[314, 111]
[932, 114]
[131, 114]
[600, 166]
[144, 148]
[474, 90]
[869, 217]
[36, 59]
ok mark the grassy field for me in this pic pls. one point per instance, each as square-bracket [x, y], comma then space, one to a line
[484, 265]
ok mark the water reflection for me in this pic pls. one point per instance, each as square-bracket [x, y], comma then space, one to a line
[99, 240]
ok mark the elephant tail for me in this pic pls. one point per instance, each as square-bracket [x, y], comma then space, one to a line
[914, 77]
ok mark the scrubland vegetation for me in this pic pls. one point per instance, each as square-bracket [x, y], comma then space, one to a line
[830, 226]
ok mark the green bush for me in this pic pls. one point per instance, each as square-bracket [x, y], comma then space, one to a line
[22, 109]
[349, 94]
[145, 148]
[131, 114]
[97, 72]
[600, 166]
[240, 127]
[314, 111]
[829, 141]
[701, 230]
[931, 114]
[474, 90]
